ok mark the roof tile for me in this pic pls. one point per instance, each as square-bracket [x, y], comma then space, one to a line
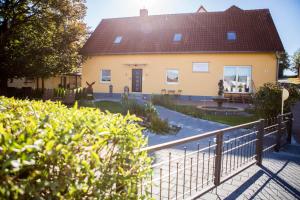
[201, 32]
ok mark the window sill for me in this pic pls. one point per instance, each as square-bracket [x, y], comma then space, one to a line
[170, 83]
[105, 82]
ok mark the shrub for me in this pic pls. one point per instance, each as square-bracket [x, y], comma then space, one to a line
[132, 106]
[163, 100]
[48, 151]
[267, 100]
[158, 125]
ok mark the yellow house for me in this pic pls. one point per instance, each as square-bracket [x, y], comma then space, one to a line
[186, 54]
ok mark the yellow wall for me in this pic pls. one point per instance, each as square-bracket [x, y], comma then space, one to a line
[191, 83]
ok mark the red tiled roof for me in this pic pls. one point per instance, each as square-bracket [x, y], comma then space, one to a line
[201, 32]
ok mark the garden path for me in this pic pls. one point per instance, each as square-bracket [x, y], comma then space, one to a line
[189, 126]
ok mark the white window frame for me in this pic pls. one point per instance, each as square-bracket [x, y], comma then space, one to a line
[101, 76]
[172, 83]
[118, 39]
[202, 70]
[240, 66]
[175, 39]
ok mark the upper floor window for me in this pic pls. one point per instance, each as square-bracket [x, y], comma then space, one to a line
[177, 37]
[105, 76]
[118, 40]
[231, 35]
[200, 67]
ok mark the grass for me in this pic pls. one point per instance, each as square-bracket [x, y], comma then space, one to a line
[167, 101]
[116, 107]
[111, 106]
[231, 120]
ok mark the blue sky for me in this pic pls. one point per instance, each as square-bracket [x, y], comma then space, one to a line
[285, 13]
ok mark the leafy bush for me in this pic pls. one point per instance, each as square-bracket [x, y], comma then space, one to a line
[267, 100]
[149, 115]
[48, 151]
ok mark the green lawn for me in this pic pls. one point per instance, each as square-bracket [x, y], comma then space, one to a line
[113, 107]
[116, 107]
[229, 120]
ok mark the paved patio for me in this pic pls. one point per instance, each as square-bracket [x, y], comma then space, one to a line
[278, 178]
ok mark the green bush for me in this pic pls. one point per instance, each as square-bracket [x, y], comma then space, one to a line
[48, 151]
[163, 100]
[267, 100]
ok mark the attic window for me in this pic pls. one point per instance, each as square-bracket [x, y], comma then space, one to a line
[231, 35]
[177, 37]
[118, 40]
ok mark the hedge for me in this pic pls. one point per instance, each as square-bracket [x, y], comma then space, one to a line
[49, 151]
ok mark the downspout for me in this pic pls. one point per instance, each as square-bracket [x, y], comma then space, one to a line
[277, 54]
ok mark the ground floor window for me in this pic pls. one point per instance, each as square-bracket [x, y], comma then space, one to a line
[172, 76]
[105, 76]
[237, 79]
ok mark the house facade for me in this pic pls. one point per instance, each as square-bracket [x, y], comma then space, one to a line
[186, 54]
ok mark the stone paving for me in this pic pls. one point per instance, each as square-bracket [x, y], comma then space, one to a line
[278, 178]
[189, 126]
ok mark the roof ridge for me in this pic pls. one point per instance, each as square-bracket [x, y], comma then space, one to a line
[193, 13]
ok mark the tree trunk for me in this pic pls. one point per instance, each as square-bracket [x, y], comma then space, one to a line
[3, 86]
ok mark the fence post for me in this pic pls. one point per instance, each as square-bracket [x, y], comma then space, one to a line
[218, 158]
[278, 135]
[259, 142]
[289, 129]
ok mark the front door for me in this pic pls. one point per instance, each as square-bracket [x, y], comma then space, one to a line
[137, 76]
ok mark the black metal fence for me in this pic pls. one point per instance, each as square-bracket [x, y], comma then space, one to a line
[190, 167]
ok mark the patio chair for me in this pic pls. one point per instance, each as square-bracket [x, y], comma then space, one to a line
[171, 92]
[163, 91]
[177, 95]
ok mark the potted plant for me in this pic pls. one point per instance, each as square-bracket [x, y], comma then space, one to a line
[240, 88]
[232, 88]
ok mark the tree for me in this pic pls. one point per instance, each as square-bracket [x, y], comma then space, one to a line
[284, 63]
[40, 38]
[296, 61]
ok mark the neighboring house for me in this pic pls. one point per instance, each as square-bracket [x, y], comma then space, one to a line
[70, 81]
[183, 53]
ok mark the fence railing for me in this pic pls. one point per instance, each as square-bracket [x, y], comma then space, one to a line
[190, 167]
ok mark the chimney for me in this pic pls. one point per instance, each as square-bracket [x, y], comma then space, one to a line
[143, 12]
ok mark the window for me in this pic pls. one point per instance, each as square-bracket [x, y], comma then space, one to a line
[200, 67]
[231, 35]
[105, 76]
[172, 76]
[237, 79]
[177, 37]
[118, 40]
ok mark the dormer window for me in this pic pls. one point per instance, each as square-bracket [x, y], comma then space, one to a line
[118, 40]
[177, 37]
[231, 35]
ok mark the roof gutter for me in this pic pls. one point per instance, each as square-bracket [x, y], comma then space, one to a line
[172, 52]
